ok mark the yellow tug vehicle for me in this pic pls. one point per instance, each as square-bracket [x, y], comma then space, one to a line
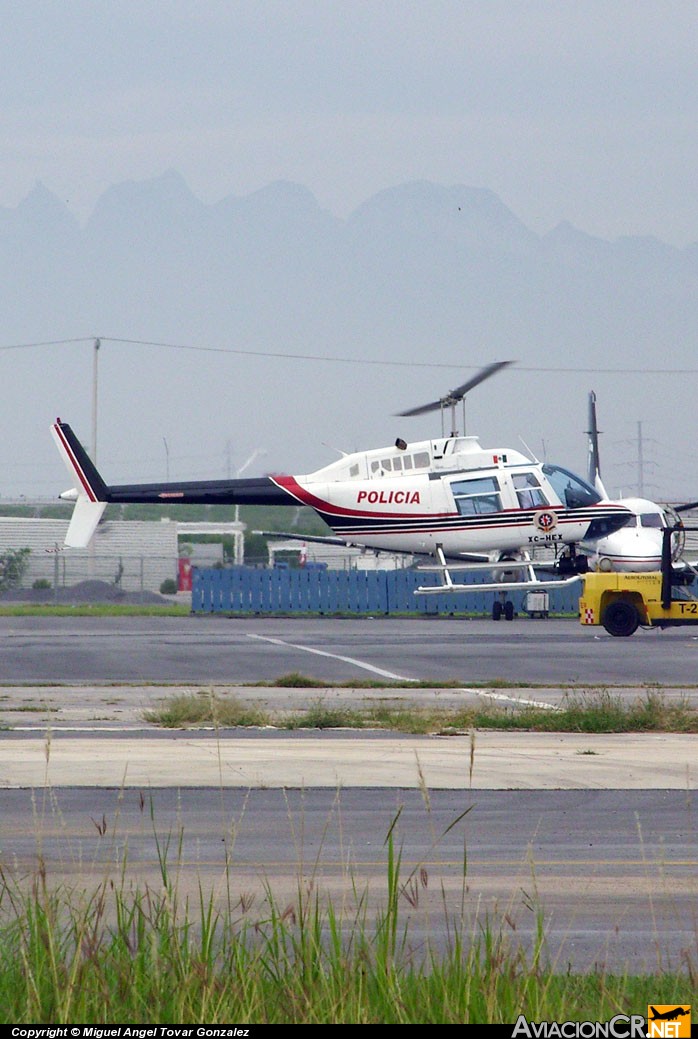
[622, 602]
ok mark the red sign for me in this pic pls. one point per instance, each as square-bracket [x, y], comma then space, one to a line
[184, 574]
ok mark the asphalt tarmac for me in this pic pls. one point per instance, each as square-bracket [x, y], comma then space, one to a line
[594, 837]
[206, 648]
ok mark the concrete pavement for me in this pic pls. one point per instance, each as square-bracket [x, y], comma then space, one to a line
[487, 760]
[96, 736]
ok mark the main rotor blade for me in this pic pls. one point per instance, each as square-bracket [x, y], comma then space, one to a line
[455, 395]
[485, 373]
[421, 410]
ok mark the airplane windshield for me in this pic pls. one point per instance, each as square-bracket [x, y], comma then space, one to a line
[570, 489]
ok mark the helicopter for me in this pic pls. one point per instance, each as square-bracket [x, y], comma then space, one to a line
[637, 546]
[449, 498]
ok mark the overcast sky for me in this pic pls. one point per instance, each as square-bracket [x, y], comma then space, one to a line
[582, 111]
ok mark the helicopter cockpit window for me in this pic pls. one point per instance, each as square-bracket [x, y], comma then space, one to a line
[477, 497]
[528, 491]
[421, 460]
[572, 491]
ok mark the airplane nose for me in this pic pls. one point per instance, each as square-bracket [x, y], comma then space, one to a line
[601, 528]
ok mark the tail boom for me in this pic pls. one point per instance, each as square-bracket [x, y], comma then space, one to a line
[92, 495]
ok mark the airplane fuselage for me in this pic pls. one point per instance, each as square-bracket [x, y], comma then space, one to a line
[637, 546]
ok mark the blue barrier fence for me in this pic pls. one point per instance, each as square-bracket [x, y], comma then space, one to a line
[248, 590]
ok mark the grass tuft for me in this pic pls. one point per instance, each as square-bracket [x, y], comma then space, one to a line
[187, 710]
[598, 712]
[295, 680]
[121, 952]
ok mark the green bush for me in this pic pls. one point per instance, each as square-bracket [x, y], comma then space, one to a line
[168, 586]
[13, 565]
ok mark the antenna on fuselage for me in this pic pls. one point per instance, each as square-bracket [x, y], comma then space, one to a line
[451, 399]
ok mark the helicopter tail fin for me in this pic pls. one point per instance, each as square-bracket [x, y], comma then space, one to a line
[90, 492]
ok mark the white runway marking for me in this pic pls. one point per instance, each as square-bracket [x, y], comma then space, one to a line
[515, 699]
[336, 656]
[401, 678]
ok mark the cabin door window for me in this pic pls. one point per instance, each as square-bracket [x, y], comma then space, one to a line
[477, 497]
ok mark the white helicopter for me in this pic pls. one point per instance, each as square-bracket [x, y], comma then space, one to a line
[637, 545]
[467, 506]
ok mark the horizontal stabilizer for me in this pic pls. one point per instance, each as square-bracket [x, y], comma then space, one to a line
[314, 538]
[83, 522]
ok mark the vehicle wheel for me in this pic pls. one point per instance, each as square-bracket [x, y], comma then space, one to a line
[496, 611]
[509, 610]
[620, 618]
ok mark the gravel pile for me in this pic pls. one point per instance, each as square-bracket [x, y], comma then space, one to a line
[83, 592]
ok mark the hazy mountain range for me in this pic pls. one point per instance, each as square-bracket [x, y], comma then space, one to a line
[419, 274]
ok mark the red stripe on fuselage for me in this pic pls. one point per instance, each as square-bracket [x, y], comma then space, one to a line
[74, 462]
[306, 497]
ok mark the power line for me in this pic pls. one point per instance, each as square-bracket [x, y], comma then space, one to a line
[399, 364]
[47, 342]
[279, 355]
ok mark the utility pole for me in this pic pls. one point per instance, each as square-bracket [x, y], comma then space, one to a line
[95, 365]
[95, 359]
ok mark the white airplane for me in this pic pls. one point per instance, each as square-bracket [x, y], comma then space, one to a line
[468, 506]
[637, 545]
